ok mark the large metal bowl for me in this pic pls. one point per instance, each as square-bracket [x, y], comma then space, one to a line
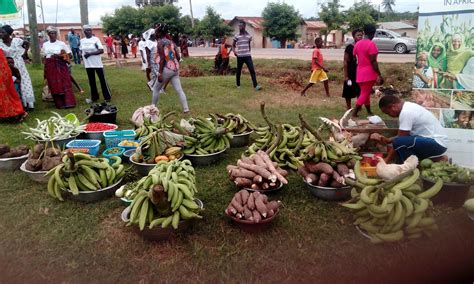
[204, 160]
[158, 233]
[38, 176]
[329, 193]
[240, 140]
[266, 191]
[98, 135]
[143, 168]
[12, 163]
[451, 194]
[128, 155]
[92, 196]
[250, 226]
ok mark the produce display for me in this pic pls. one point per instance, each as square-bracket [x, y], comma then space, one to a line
[98, 127]
[324, 174]
[257, 172]
[102, 108]
[392, 210]
[283, 143]
[7, 152]
[55, 128]
[446, 171]
[165, 196]
[207, 137]
[43, 158]
[252, 206]
[82, 172]
[148, 126]
[158, 146]
[235, 123]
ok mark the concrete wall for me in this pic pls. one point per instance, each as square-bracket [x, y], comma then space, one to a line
[258, 40]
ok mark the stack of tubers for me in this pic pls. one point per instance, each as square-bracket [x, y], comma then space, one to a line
[7, 152]
[43, 158]
[257, 172]
[252, 206]
[323, 174]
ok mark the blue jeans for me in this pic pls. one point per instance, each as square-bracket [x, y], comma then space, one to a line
[75, 55]
[419, 146]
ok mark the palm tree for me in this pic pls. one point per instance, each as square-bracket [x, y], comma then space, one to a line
[388, 5]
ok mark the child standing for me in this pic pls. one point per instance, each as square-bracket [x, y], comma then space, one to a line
[16, 76]
[423, 74]
[318, 73]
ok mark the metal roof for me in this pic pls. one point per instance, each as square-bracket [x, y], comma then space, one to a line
[395, 25]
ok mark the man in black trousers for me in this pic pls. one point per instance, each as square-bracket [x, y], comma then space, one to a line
[241, 47]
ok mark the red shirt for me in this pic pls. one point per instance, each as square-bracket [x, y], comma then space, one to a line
[318, 57]
[109, 41]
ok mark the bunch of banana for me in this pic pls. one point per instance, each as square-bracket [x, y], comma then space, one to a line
[389, 211]
[207, 138]
[149, 127]
[150, 147]
[82, 172]
[235, 123]
[165, 196]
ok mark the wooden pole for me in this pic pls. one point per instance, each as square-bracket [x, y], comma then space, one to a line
[84, 12]
[192, 17]
[35, 52]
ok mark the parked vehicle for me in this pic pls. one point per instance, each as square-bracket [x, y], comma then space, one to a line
[387, 40]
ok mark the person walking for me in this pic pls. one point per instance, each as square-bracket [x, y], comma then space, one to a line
[368, 72]
[57, 56]
[14, 47]
[109, 43]
[133, 46]
[165, 66]
[241, 46]
[10, 103]
[318, 71]
[74, 42]
[351, 88]
[92, 48]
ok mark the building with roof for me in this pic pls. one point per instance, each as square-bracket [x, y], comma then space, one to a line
[254, 26]
[403, 28]
[63, 30]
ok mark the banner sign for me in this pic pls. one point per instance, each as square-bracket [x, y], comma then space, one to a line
[10, 9]
[443, 80]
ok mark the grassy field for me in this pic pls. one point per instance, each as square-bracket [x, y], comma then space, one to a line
[44, 240]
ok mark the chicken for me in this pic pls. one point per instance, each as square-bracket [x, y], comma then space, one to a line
[339, 134]
[390, 171]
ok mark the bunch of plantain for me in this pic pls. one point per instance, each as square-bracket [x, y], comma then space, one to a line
[207, 137]
[283, 143]
[446, 171]
[392, 210]
[235, 123]
[165, 196]
[149, 127]
[82, 172]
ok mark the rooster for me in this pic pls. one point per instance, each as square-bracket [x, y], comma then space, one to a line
[390, 171]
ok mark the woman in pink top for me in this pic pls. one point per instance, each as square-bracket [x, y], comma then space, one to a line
[368, 73]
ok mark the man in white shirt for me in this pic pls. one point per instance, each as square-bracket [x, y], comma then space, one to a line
[419, 133]
[92, 49]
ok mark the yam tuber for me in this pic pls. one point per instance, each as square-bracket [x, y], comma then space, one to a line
[242, 182]
[247, 160]
[261, 206]
[320, 167]
[239, 172]
[244, 196]
[237, 205]
[257, 179]
[336, 184]
[247, 213]
[256, 186]
[258, 170]
[271, 167]
[231, 210]
[229, 168]
[257, 159]
[273, 205]
[265, 186]
[342, 169]
[256, 216]
[312, 178]
[282, 172]
[303, 171]
[251, 202]
[323, 179]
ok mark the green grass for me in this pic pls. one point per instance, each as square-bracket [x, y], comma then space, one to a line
[44, 240]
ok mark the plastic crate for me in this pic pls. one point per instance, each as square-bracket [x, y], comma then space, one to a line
[92, 145]
[128, 147]
[114, 137]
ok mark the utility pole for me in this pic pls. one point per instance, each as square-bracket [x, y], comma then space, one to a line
[192, 17]
[35, 52]
[84, 12]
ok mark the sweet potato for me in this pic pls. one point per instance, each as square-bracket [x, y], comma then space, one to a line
[335, 183]
[323, 179]
[342, 169]
[320, 167]
[256, 216]
[337, 177]
[4, 148]
[351, 163]
[241, 182]
[312, 179]
[303, 171]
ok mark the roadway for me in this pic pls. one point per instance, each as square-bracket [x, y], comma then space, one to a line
[303, 54]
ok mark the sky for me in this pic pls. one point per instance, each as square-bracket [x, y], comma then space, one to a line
[68, 10]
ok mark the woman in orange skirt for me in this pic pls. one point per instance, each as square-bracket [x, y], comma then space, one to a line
[10, 102]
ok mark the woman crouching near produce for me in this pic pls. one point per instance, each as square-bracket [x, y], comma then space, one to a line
[57, 55]
[419, 133]
[11, 108]
[165, 66]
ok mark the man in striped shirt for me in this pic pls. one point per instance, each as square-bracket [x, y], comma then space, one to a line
[242, 51]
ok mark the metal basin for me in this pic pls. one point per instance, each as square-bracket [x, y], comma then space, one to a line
[451, 194]
[127, 155]
[38, 176]
[143, 168]
[158, 233]
[240, 140]
[329, 193]
[250, 226]
[266, 191]
[98, 135]
[12, 163]
[92, 196]
[204, 160]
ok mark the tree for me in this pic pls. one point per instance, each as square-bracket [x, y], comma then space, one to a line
[124, 20]
[388, 5]
[360, 14]
[143, 3]
[212, 26]
[280, 21]
[332, 17]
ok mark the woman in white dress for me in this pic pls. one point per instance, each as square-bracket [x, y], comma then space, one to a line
[14, 48]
